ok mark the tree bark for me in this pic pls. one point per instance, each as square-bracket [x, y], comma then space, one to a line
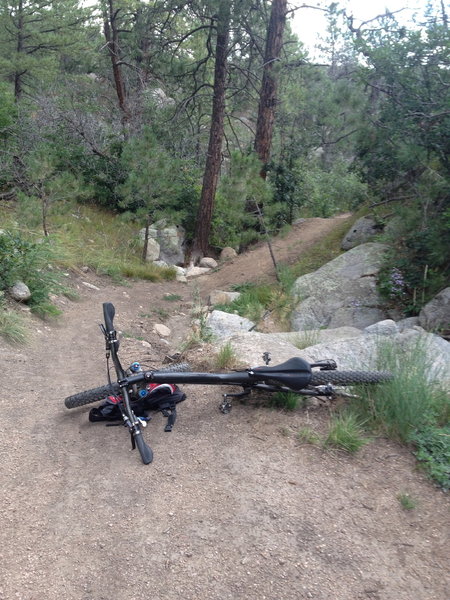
[213, 158]
[110, 25]
[18, 75]
[269, 86]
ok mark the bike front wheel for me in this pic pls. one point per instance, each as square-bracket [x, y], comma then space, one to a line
[100, 393]
[349, 377]
[144, 450]
[94, 395]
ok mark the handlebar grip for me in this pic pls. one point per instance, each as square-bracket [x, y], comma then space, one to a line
[144, 450]
[108, 314]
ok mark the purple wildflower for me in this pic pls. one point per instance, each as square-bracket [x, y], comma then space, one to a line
[397, 283]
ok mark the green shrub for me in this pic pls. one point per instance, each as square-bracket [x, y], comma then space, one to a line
[433, 452]
[327, 193]
[416, 267]
[410, 401]
[28, 261]
[412, 408]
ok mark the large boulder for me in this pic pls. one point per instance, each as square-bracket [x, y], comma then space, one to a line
[342, 292]
[170, 239]
[351, 354]
[249, 348]
[303, 339]
[361, 232]
[153, 250]
[435, 315]
[223, 324]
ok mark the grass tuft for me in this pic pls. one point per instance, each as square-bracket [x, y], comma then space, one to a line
[172, 297]
[345, 433]
[407, 502]
[226, 358]
[284, 400]
[306, 338]
[306, 435]
[257, 300]
[12, 327]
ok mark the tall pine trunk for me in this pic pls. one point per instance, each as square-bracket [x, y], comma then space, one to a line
[111, 31]
[269, 86]
[213, 158]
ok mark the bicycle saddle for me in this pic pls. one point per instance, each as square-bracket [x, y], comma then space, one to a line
[295, 373]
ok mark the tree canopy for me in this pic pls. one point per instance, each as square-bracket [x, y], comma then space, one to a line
[177, 108]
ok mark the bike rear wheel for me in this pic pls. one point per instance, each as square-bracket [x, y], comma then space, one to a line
[349, 377]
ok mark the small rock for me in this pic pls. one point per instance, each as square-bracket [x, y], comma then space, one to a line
[407, 323]
[160, 263]
[20, 292]
[161, 330]
[196, 272]
[361, 232]
[91, 286]
[386, 327]
[228, 254]
[208, 262]
[313, 403]
[220, 297]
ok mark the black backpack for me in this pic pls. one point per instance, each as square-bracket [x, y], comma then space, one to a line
[162, 397]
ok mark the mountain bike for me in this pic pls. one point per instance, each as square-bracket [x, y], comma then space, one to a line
[295, 375]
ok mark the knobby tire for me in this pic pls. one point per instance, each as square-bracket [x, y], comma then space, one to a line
[102, 392]
[144, 450]
[349, 377]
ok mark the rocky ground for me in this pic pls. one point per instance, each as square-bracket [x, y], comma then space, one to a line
[233, 506]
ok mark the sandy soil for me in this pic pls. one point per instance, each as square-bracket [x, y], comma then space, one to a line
[233, 506]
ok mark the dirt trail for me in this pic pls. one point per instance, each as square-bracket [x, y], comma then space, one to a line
[257, 264]
[233, 506]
